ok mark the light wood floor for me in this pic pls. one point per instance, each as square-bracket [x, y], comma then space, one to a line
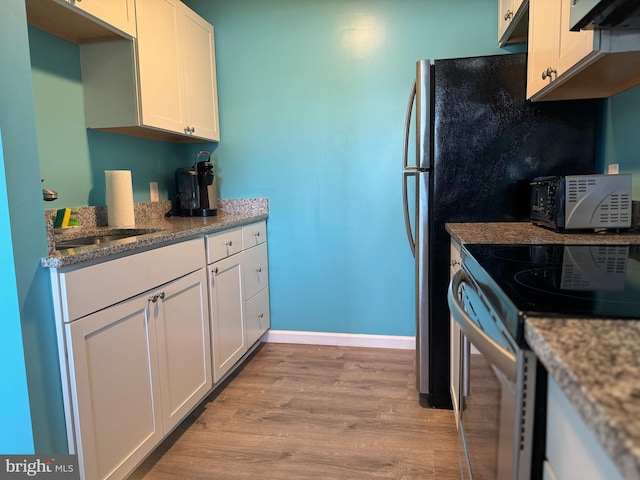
[313, 412]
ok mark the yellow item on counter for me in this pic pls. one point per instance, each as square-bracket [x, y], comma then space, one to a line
[64, 218]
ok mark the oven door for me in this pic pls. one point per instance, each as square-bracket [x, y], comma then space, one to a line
[495, 407]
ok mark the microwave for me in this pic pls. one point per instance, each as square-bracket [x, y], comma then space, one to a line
[581, 202]
[604, 14]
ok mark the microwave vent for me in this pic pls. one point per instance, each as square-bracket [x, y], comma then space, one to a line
[598, 201]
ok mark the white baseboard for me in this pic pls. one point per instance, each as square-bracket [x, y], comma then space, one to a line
[340, 339]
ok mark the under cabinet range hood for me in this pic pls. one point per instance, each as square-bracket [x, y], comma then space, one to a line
[604, 14]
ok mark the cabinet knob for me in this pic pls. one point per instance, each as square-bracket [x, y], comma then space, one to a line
[189, 129]
[508, 16]
[548, 72]
[455, 262]
[229, 243]
[154, 298]
[215, 270]
[261, 315]
[257, 234]
[259, 269]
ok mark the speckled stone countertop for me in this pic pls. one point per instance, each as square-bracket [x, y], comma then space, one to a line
[596, 362]
[156, 229]
[527, 233]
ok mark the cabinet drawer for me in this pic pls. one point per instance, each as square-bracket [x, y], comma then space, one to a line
[256, 270]
[254, 234]
[223, 244]
[257, 316]
[88, 289]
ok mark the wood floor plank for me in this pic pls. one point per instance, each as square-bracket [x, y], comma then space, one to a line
[313, 412]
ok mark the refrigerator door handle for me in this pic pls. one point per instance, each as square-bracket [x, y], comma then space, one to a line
[407, 128]
[405, 206]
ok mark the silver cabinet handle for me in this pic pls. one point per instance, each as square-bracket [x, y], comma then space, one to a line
[508, 16]
[455, 262]
[215, 270]
[261, 315]
[229, 243]
[257, 234]
[548, 72]
[154, 298]
[259, 269]
[503, 360]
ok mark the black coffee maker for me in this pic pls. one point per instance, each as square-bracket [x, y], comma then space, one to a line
[196, 186]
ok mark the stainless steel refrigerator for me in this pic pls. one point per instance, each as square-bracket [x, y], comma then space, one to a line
[478, 143]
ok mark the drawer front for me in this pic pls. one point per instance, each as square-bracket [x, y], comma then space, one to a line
[254, 234]
[257, 316]
[223, 244]
[88, 289]
[256, 270]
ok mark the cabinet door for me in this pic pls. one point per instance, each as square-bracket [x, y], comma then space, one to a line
[113, 368]
[201, 96]
[572, 449]
[120, 14]
[160, 64]
[184, 345]
[257, 316]
[506, 11]
[544, 32]
[456, 342]
[573, 46]
[256, 270]
[227, 314]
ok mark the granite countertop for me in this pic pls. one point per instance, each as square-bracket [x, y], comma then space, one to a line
[596, 362]
[148, 217]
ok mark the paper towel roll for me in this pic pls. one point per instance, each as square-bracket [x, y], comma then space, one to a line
[119, 198]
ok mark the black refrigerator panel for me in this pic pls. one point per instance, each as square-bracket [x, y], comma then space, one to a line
[488, 143]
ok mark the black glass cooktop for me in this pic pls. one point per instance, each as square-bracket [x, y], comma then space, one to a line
[574, 280]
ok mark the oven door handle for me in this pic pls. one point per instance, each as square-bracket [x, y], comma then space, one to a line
[502, 359]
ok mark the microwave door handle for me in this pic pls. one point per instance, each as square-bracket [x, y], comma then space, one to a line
[502, 359]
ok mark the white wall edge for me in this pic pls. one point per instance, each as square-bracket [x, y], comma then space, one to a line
[340, 339]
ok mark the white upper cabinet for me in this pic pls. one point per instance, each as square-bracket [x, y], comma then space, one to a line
[83, 21]
[161, 86]
[566, 65]
[513, 16]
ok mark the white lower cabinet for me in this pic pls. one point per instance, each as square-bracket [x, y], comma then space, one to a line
[135, 360]
[227, 314]
[257, 316]
[113, 363]
[572, 449]
[238, 293]
[457, 342]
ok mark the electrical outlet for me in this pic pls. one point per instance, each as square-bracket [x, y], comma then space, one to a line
[153, 191]
[613, 168]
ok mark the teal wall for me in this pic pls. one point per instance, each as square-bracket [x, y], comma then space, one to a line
[622, 135]
[72, 158]
[27, 289]
[14, 405]
[312, 107]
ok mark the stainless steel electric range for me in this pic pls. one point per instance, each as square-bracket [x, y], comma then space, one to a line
[496, 289]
